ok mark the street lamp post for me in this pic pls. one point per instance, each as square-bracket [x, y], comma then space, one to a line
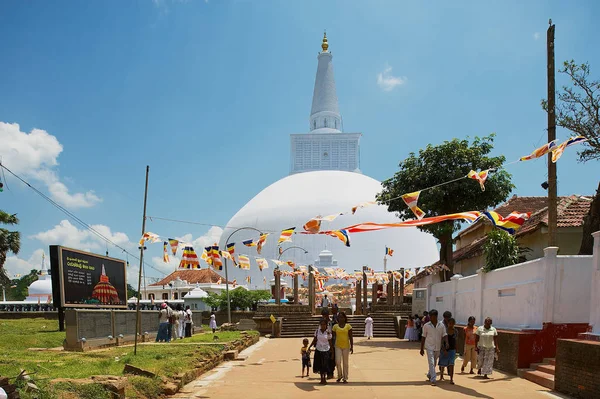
[295, 275]
[226, 272]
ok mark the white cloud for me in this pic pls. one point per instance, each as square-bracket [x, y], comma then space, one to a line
[16, 266]
[387, 81]
[536, 35]
[68, 235]
[34, 155]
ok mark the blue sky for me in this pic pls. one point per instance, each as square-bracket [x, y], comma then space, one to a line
[207, 93]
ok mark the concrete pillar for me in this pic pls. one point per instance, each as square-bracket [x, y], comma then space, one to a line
[277, 274]
[296, 298]
[311, 290]
[454, 280]
[364, 291]
[374, 287]
[550, 264]
[595, 297]
[390, 289]
[397, 299]
[479, 288]
[358, 292]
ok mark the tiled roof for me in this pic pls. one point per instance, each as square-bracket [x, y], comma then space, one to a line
[202, 276]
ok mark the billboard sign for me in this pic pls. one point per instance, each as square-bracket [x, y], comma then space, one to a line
[82, 279]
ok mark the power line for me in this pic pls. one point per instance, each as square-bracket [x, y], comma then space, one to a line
[74, 217]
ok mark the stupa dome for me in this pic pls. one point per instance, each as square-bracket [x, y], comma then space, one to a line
[41, 287]
[295, 199]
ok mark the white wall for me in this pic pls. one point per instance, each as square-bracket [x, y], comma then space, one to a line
[553, 289]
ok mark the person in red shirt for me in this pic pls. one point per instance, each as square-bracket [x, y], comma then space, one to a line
[470, 355]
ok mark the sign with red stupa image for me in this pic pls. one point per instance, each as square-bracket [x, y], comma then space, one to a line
[104, 291]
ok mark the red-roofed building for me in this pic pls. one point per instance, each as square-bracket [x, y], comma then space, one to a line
[533, 235]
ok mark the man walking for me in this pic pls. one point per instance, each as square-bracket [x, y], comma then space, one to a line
[433, 333]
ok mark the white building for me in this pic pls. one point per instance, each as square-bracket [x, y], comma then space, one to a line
[325, 179]
[40, 291]
[180, 283]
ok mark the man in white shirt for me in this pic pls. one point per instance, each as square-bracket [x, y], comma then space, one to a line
[433, 333]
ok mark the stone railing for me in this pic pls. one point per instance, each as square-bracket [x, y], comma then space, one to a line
[385, 308]
[281, 310]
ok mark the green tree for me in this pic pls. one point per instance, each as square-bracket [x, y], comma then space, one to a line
[20, 287]
[438, 164]
[240, 298]
[578, 110]
[131, 292]
[10, 241]
[500, 250]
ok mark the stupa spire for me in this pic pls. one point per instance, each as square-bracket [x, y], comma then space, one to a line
[325, 114]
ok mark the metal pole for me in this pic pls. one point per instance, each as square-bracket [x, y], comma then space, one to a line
[138, 329]
[552, 189]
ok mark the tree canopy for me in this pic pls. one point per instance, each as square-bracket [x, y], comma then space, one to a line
[240, 298]
[10, 241]
[438, 164]
[578, 108]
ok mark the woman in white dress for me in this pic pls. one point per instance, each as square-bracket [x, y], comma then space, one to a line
[213, 322]
[411, 333]
[181, 316]
[369, 327]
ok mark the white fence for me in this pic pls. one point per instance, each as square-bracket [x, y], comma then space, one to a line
[555, 289]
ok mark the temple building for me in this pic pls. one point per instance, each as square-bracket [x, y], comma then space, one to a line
[324, 178]
[40, 291]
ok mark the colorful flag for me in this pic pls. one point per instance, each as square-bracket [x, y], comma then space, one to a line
[174, 245]
[248, 279]
[207, 255]
[319, 284]
[149, 237]
[286, 235]
[411, 200]
[189, 259]
[280, 251]
[262, 264]
[216, 258]
[226, 255]
[312, 226]
[165, 253]
[265, 280]
[219, 281]
[342, 235]
[329, 218]
[481, 177]
[470, 216]
[540, 152]
[389, 251]
[511, 223]
[244, 262]
[408, 274]
[278, 262]
[262, 240]
[362, 205]
[231, 250]
[234, 283]
[249, 243]
[557, 152]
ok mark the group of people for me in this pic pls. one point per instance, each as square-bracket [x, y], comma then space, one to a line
[333, 343]
[438, 341]
[174, 322]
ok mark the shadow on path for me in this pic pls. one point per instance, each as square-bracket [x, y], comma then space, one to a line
[392, 343]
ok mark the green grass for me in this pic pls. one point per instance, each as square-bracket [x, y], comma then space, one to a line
[208, 337]
[19, 335]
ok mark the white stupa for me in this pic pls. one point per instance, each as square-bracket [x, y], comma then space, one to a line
[325, 179]
[41, 289]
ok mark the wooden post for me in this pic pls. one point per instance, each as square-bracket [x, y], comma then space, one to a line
[296, 300]
[364, 290]
[358, 292]
[374, 289]
[277, 273]
[138, 326]
[311, 290]
[397, 299]
[552, 189]
[390, 289]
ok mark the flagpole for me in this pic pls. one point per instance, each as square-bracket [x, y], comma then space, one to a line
[137, 312]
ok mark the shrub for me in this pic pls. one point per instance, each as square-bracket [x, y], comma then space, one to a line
[148, 387]
[500, 250]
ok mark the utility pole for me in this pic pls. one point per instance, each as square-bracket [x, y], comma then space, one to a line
[552, 189]
[138, 329]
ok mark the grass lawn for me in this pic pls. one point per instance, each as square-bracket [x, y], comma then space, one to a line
[18, 336]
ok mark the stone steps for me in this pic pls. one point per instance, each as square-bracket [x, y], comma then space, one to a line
[542, 373]
[296, 327]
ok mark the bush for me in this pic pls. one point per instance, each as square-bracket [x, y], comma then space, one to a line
[240, 298]
[148, 387]
[500, 250]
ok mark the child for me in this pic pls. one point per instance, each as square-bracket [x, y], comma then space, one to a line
[470, 355]
[449, 352]
[411, 333]
[213, 322]
[344, 346]
[322, 342]
[369, 326]
[305, 352]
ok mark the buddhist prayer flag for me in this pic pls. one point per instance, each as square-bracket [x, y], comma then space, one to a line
[557, 152]
[207, 255]
[291, 264]
[411, 200]
[165, 253]
[248, 279]
[481, 177]
[540, 152]
[286, 235]
[342, 235]
[226, 255]
[149, 237]
[262, 264]
[219, 281]
[364, 227]
[319, 284]
[216, 257]
[244, 262]
[262, 240]
[189, 259]
[231, 250]
[312, 226]
[329, 218]
[362, 205]
[249, 243]
[174, 245]
[234, 283]
[278, 262]
[389, 251]
[511, 223]
[280, 251]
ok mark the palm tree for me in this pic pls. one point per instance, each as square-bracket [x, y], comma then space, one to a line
[9, 241]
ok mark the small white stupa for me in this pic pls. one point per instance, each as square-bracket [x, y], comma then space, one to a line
[40, 291]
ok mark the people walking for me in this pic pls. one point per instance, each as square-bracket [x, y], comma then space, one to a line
[486, 340]
[446, 315]
[344, 346]
[433, 333]
[448, 355]
[163, 324]
[305, 353]
[418, 326]
[213, 322]
[369, 326]
[181, 317]
[470, 355]
[411, 333]
[324, 350]
[189, 322]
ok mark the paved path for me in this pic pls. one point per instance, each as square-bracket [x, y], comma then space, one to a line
[380, 368]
